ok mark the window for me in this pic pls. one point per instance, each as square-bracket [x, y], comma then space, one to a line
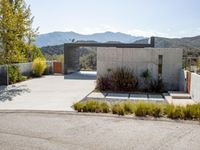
[160, 66]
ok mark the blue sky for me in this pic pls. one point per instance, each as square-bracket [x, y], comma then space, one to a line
[166, 18]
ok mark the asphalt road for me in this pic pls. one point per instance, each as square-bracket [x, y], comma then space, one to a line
[31, 131]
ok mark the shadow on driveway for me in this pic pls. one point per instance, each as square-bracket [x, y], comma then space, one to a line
[9, 92]
[82, 75]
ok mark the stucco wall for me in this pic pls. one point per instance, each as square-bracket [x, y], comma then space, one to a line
[195, 87]
[141, 59]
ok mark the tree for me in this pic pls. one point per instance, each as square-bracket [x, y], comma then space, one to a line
[16, 32]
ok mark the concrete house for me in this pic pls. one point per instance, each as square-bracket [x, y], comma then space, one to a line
[163, 63]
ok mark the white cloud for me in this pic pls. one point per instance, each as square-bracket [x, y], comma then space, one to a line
[138, 32]
[90, 30]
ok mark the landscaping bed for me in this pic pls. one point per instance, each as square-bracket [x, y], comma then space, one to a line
[141, 109]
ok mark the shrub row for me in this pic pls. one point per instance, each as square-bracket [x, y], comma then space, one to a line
[141, 109]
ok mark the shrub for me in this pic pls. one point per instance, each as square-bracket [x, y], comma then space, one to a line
[80, 107]
[169, 110]
[38, 67]
[14, 74]
[123, 80]
[118, 80]
[129, 107]
[103, 84]
[178, 113]
[142, 109]
[118, 108]
[156, 86]
[175, 112]
[156, 110]
[192, 111]
[105, 108]
[92, 106]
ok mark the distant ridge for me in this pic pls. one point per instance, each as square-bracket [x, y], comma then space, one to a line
[191, 45]
[58, 38]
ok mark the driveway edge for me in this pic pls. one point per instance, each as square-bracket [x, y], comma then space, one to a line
[74, 113]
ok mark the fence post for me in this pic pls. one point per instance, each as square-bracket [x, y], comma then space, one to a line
[4, 75]
[188, 87]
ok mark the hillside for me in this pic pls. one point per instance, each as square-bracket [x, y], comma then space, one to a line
[58, 38]
[191, 45]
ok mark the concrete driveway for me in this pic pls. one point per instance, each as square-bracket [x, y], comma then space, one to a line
[30, 131]
[48, 93]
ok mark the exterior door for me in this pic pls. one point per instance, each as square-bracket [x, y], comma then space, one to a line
[57, 67]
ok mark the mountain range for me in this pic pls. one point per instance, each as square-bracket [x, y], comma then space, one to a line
[191, 45]
[58, 38]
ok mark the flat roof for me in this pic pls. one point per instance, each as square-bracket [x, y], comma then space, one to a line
[118, 45]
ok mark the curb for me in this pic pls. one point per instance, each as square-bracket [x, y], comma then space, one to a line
[109, 115]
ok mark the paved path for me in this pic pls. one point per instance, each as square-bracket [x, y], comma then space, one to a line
[30, 131]
[48, 93]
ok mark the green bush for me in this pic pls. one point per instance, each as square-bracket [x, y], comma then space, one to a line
[38, 67]
[129, 107]
[142, 109]
[105, 108]
[192, 111]
[80, 107]
[175, 112]
[14, 74]
[118, 109]
[92, 106]
[156, 110]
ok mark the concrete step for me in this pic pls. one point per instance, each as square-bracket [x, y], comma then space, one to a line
[179, 95]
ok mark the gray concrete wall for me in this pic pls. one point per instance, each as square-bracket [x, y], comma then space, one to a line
[71, 59]
[141, 59]
[195, 87]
